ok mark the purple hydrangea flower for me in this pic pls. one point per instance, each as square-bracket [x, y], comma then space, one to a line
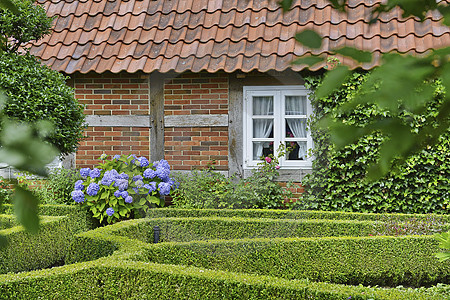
[78, 196]
[149, 173]
[139, 183]
[113, 172]
[122, 184]
[103, 156]
[110, 211]
[164, 188]
[137, 177]
[136, 190]
[109, 177]
[124, 194]
[142, 161]
[116, 157]
[79, 185]
[107, 180]
[128, 199]
[162, 172]
[118, 193]
[92, 189]
[94, 173]
[124, 176]
[84, 172]
[133, 156]
[151, 187]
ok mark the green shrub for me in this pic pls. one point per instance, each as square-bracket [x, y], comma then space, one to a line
[207, 189]
[35, 92]
[337, 182]
[122, 275]
[31, 24]
[58, 187]
[212, 228]
[25, 251]
[5, 191]
[385, 261]
[46, 249]
[114, 279]
[290, 214]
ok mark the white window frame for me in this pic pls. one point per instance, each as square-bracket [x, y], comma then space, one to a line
[278, 93]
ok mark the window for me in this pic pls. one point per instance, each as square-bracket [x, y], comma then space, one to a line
[274, 115]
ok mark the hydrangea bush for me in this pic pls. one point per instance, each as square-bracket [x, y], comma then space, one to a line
[118, 187]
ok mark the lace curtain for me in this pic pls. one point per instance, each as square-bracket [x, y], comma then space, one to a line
[296, 105]
[262, 106]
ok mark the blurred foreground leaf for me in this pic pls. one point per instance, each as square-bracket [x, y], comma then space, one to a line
[309, 38]
[25, 208]
[9, 5]
[308, 60]
[444, 243]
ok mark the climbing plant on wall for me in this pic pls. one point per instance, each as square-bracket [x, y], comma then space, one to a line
[338, 182]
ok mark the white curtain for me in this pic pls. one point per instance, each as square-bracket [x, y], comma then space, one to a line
[296, 105]
[261, 127]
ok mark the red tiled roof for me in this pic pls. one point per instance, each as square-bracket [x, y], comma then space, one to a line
[213, 35]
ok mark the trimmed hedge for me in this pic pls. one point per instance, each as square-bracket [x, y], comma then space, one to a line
[7, 221]
[124, 273]
[112, 279]
[28, 252]
[288, 214]
[210, 228]
[49, 247]
[385, 261]
[93, 245]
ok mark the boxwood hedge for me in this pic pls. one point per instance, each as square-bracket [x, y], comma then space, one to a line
[120, 263]
[49, 247]
[290, 214]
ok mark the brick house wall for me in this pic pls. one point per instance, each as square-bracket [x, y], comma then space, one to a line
[112, 95]
[196, 146]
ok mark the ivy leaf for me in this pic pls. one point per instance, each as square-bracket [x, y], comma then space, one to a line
[25, 208]
[358, 55]
[309, 38]
[332, 81]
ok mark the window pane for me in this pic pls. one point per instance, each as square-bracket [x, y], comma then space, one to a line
[262, 149]
[262, 128]
[296, 128]
[295, 105]
[263, 105]
[296, 150]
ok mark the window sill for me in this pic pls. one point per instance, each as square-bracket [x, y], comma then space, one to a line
[294, 174]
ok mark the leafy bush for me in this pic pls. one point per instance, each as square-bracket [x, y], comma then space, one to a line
[207, 189]
[338, 182]
[32, 23]
[58, 186]
[5, 191]
[123, 185]
[36, 93]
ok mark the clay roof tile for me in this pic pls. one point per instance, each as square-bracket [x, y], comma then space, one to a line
[212, 35]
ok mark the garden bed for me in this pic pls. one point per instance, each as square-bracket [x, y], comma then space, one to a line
[240, 255]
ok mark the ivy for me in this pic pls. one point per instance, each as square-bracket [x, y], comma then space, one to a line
[338, 180]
